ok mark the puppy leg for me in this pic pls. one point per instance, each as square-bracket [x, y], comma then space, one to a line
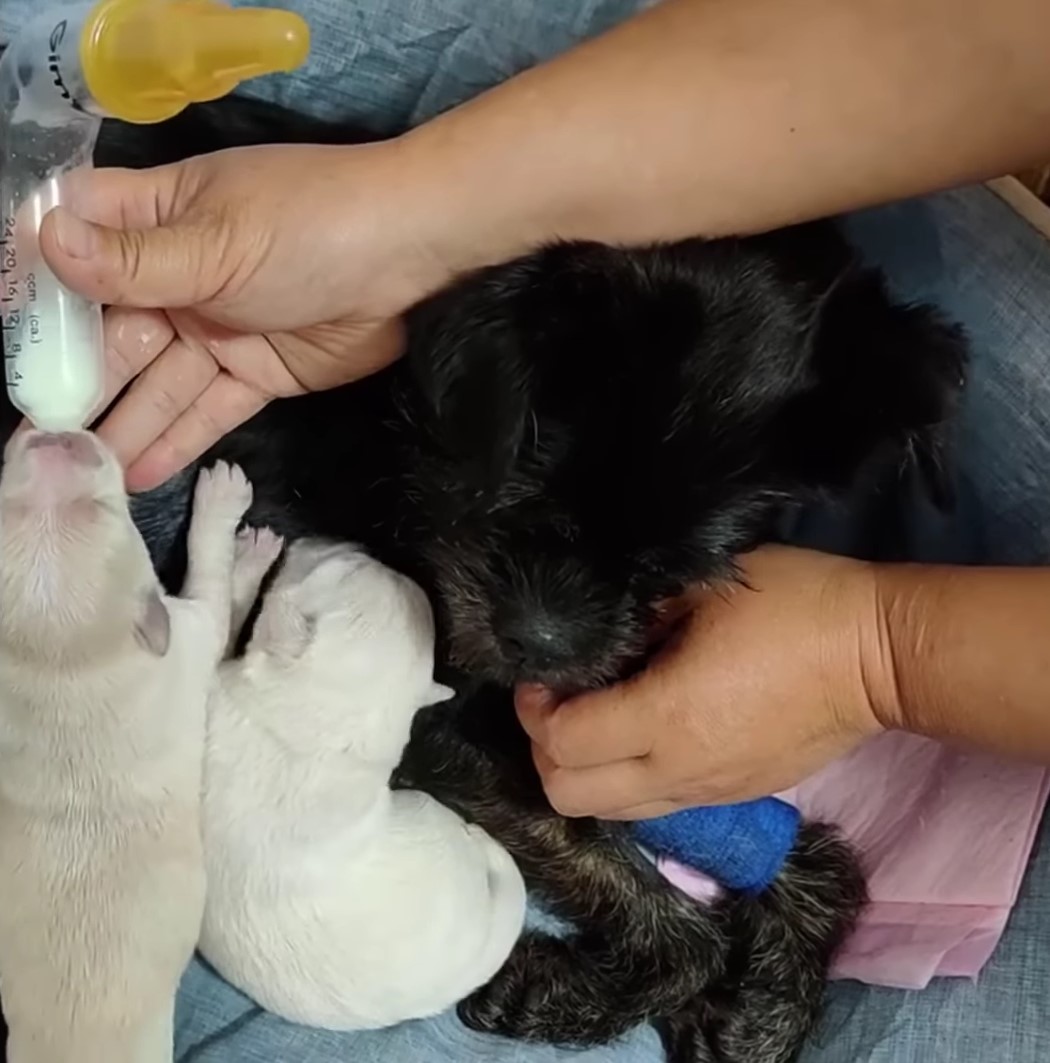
[255, 552]
[683, 1035]
[640, 949]
[221, 499]
[787, 937]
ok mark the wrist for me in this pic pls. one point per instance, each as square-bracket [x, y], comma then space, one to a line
[859, 662]
[967, 646]
[899, 668]
[471, 215]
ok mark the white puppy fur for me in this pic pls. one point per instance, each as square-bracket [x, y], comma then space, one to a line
[332, 900]
[103, 691]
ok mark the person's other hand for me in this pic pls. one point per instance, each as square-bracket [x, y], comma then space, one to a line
[279, 269]
[756, 688]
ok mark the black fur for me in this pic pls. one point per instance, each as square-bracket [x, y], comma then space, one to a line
[571, 438]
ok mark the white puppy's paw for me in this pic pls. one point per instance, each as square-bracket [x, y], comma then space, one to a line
[223, 493]
[255, 552]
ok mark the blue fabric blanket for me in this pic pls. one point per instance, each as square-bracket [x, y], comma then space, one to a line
[742, 847]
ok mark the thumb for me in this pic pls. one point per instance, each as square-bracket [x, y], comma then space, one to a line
[594, 728]
[169, 266]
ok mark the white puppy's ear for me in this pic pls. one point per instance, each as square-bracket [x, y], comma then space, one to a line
[153, 627]
[439, 692]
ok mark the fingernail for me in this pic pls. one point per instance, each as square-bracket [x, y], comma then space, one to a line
[76, 237]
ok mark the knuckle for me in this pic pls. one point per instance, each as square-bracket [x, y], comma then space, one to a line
[555, 744]
[165, 402]
[132, 254]
[562, 796]
[230, 244]
[206, 423]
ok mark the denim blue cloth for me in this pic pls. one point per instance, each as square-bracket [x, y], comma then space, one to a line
[387, 64]
[741, 846]
[383, 63]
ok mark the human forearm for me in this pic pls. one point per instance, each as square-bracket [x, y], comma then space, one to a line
[964, 655]
[715, 116]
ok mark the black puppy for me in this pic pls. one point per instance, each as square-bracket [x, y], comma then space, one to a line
[572, 438]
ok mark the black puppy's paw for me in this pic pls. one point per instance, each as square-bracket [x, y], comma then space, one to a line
[685, 1038]
[536, 996]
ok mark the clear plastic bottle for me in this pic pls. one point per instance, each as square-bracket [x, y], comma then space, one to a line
[137, 60]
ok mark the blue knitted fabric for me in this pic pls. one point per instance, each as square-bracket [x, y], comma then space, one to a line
[742, 847]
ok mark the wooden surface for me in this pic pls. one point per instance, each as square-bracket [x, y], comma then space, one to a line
[1024, 201]
[1038, 181]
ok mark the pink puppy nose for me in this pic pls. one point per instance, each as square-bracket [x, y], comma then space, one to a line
[78, 448]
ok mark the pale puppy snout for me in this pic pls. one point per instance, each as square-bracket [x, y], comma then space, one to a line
[48, 468]
[65, 448]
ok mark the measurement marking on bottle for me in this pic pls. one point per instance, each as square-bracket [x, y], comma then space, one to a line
[12, 317]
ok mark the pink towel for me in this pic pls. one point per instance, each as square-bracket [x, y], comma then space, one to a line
[945, 837]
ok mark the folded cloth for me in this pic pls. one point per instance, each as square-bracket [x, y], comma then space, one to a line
[944, 836]
[742, 846]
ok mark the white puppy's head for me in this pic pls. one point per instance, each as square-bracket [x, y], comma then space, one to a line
[354, 641]
[75, 576]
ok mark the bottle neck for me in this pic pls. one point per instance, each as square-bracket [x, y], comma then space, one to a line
[41, 76]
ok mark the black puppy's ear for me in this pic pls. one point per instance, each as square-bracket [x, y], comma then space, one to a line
[466, 358]
[888, 378]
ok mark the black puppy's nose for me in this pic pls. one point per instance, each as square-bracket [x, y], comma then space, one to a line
[534, 641]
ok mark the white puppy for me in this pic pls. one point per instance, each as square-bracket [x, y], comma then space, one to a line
[332, 900]
[103, 691]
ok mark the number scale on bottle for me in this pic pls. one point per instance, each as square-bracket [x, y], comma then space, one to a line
[10, 310]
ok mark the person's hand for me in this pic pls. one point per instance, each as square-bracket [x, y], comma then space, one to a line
[279, 269]
[756, 688]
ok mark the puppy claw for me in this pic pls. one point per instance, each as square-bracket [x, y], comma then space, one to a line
[684, 1036]
[256, 550]
[221, 498]
[531, 998]
[223, 492]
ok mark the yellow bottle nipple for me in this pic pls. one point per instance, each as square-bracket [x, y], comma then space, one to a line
[146, 60]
